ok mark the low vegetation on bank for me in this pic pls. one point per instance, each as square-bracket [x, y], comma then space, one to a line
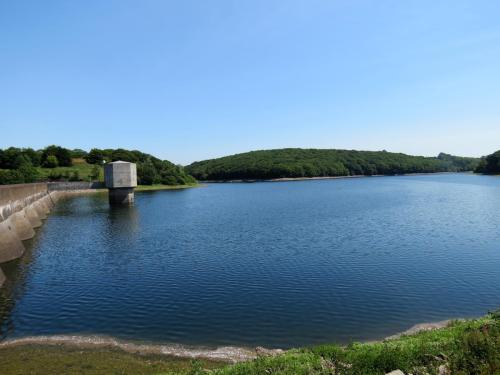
[469, 347]
[463, 348]
[297, 163]
[55, 163]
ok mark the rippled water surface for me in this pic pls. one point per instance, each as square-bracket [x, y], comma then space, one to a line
[274, 264]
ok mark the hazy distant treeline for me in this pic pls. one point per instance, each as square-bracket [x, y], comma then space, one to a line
[294, 162]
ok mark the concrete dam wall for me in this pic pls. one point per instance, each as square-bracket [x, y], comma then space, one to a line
[22, 209]
[71, 186]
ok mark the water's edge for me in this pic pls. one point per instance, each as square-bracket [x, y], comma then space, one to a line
[230, 354]
[291, 179]
[223, 353]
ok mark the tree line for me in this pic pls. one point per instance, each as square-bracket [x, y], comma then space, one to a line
[23, 165]
[489, 164]
[20, 165]
[296, 163]
[150, 170]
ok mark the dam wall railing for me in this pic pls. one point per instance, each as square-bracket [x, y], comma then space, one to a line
[23, 208]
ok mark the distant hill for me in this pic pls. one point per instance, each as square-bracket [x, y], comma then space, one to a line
[297, 162]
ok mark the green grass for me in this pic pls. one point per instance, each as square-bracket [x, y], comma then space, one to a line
[80, 166]
[54, 359]
[469, 347]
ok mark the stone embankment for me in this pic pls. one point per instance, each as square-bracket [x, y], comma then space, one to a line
[22, 209]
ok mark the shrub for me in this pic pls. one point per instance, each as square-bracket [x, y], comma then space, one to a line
[30, 173]
[75, 176]
[95, 156]
[51, 162]
[11, 177]
[478, 351]
[95, 174]
[78, 153]
[55, 176]
[168, 180]
[62, 154]
[147, 173]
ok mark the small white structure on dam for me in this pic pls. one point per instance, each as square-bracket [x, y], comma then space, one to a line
[120, 178]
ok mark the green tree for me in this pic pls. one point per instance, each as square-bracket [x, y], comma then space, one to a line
[124, 155]
[26, 168]
[63, 155]
[147, 174]
[95, 156]
[51, 162]
[490, 164]
[95, 174]
[11, 177]
[55, 175]
[78, 153]
[75, 176]
[8, 157]
[21, 160]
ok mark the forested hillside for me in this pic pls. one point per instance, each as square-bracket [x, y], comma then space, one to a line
[489, 164]
[150, 170]
[55, 163]
[295, 162]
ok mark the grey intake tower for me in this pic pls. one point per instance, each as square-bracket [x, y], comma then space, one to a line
[121, 179]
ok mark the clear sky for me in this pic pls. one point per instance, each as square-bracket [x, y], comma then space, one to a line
[189, 80]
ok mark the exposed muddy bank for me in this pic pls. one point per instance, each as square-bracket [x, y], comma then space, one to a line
[224, 353]
[421, 327]
[230, 354]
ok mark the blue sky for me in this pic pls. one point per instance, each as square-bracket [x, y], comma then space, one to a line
[190, 80]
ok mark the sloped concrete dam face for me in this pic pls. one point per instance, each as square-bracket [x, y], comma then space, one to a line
[22, 208]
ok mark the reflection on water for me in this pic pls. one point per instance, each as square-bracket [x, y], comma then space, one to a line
[123, 220]
[274, 264]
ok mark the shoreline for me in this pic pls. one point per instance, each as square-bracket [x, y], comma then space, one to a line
[425, 349]
[228, 354]
[287, 179]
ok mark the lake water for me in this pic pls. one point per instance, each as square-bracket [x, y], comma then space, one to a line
[273, 264]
